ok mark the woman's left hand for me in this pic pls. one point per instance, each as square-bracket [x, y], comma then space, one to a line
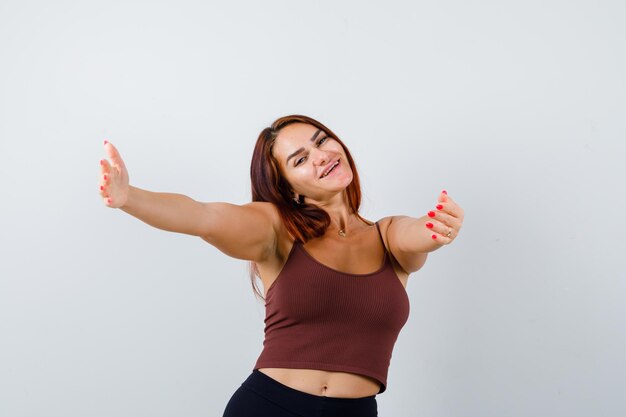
[446, 220]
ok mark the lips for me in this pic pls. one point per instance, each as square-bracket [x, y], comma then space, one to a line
[330, 168]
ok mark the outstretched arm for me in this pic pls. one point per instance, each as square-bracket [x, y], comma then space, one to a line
[411, 239]
[244, 232]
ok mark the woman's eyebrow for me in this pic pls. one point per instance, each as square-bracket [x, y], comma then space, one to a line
[301, 149]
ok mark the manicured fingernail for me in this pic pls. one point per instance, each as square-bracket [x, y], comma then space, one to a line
[431, 214]
[109, 201]
[429, 224]
[106, 141]
[439, 206]
[434, 236]
[444, 191]
[101, 188]
[102, 162]
[105, 177]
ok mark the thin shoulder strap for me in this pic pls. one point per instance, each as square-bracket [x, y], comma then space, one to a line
[381, 236]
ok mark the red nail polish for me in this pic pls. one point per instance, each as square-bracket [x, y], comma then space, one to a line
[439, 206]
[431, 214]
[102, 162]
[106, 141]
[445, 192]
[434, 236]
[101, 188]
[109, 201]
[429, 225]
[105, 177]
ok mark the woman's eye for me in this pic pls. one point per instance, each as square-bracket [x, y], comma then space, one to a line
[319, 142]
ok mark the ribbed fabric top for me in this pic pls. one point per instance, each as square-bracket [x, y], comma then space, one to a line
[320, 318]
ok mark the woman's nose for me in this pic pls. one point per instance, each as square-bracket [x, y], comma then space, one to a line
[320, 157]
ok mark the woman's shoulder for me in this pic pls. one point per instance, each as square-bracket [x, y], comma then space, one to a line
[272, 212]
[388, 220]
[266, 207]
[385, 228]
[263, 205]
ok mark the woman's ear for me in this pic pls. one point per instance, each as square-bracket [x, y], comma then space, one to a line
[298, 199]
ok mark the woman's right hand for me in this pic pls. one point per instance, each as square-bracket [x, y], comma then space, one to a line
[114, 186]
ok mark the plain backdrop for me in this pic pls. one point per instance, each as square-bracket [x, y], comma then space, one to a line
[517, 109]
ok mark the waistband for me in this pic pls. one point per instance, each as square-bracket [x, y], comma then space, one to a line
[303, 403]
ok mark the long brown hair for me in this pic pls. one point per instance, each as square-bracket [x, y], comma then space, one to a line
[303, 221]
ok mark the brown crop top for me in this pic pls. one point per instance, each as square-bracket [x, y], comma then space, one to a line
[320, 318]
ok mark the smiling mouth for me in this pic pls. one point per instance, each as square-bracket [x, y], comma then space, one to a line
[330, 170]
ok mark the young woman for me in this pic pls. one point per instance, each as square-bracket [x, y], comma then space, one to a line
[334, 283]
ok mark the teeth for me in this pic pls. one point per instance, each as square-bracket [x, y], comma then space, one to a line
[331, 168]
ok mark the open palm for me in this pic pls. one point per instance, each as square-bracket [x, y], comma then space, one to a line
[113, 178]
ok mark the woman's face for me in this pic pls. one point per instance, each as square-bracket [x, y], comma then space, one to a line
[305, 154]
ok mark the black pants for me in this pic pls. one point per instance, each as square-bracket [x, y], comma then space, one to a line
[262, 396]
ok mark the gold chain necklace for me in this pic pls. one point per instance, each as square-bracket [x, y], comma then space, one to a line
[341, 232]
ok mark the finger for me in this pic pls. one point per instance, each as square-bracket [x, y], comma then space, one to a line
[103, 188]
[445, 198]
[451, 201]
[437, 226]
[105, 167]
[107, 201]
[445, 218]
[107, 171]
[442, 238]
[451, 208]
[439, 232]
[443, 230]
[114, 155]
[105, 177]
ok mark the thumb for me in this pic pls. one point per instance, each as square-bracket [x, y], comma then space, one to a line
[114, 155]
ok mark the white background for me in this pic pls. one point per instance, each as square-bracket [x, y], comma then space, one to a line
[516, 108]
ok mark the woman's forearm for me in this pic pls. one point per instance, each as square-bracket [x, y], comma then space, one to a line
[166, 211]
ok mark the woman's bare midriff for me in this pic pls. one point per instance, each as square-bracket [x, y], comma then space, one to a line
[325, 383]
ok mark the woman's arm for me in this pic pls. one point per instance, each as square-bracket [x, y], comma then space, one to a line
[166, 211]
[244, 232]
[411, 239]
